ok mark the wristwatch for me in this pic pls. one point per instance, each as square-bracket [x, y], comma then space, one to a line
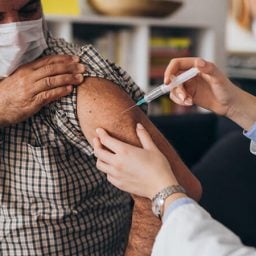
[159, 199]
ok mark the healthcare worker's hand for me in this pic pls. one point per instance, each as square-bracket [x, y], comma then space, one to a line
[141, 171]
[36, 84]
[212, 90]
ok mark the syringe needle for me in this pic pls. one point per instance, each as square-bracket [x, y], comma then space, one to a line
[128, 109]
[163, 89]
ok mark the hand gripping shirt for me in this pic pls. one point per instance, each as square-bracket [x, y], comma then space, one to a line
[54, 201]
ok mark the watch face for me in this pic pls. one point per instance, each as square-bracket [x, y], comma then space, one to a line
[157, 205]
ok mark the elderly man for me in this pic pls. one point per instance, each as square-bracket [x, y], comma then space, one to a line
[54, 201]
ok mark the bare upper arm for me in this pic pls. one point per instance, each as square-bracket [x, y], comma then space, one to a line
[101, 103]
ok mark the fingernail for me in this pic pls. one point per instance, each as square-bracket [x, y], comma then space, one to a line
[181, 96]
[75, 58]
[167, 80]
[81, 68]
[140, 126]
[69, 87]
[79, 76]
[172, 77]
[188, 102]
[201, 63]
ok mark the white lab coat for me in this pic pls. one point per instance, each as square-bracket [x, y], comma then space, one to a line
[191, 231]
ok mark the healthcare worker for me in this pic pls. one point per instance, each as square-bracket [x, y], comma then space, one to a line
[187, 228]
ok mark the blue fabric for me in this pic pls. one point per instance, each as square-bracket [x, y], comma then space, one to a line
[176, 204]
[251, 134]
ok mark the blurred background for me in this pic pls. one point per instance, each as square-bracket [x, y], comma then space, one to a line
[143, 36]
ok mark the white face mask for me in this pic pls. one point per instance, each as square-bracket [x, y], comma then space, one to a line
[20, 43]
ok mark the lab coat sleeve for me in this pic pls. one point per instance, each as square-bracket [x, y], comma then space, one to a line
[251, 134]
[190, 231]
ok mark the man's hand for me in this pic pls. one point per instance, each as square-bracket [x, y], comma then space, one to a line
[36, 84]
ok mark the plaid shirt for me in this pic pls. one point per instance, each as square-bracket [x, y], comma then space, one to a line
[53, 199]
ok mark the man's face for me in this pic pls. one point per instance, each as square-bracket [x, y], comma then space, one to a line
[19, 10]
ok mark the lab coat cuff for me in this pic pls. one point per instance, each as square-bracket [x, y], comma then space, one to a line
[251, 134]
[175, 205]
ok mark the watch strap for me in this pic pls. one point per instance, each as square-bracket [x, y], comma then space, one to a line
[159, 199]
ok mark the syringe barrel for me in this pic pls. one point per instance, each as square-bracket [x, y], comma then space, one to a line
[156, 93]
[183, 77]
[163, 89]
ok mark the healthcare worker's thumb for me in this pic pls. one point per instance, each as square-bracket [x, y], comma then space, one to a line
[145, 138]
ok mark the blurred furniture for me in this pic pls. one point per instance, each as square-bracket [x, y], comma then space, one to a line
[151, 8]
[207, 31]
[247, 84]
[192, 135]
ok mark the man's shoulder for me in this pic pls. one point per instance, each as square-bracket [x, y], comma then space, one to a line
[97, 65]
[60, 46]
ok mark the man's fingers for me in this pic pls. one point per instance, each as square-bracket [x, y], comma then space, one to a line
[145, 138]
[53, 76]
[46, 97]
[52, 82]
[58, 69]
[53, 59]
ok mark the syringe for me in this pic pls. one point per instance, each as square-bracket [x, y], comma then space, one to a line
[163, 89]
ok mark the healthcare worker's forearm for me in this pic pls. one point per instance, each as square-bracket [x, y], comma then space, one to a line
[190, 231]
[243, 109]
